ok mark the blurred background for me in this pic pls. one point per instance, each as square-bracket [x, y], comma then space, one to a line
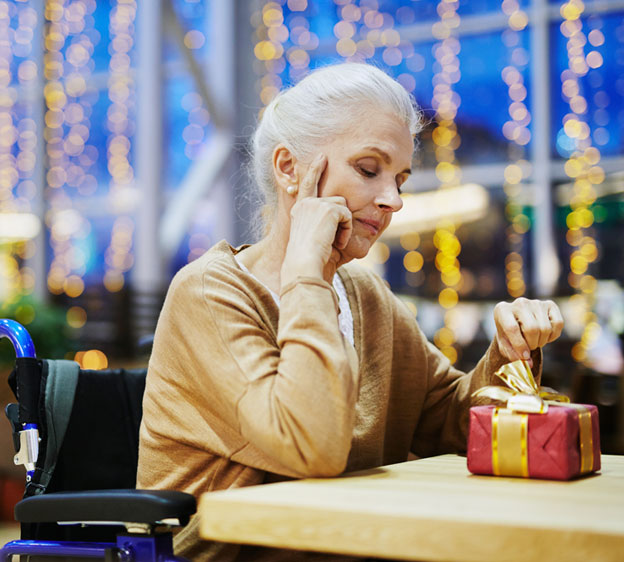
[124, 128]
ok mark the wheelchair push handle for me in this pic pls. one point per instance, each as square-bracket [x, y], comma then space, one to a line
[28, 376]
[19, 337]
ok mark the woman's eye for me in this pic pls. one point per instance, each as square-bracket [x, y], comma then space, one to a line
[366, 172]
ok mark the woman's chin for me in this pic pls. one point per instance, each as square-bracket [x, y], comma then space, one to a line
[357, 248]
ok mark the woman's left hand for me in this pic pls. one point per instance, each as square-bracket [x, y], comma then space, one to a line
[525, 325]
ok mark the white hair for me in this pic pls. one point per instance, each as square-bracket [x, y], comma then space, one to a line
[324, 103]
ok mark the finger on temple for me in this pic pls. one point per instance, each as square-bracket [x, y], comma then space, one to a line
[309, 184]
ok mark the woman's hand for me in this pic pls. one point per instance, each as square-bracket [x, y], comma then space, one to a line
[319, 228]
[525, 325]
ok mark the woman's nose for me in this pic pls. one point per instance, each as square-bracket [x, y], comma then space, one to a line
[389, 198]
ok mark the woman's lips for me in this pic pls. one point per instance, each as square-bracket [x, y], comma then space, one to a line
[371, 225]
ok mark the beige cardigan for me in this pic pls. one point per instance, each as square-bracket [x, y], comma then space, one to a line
[239, 391]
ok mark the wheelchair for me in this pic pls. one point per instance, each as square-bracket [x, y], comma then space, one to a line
[76, 433]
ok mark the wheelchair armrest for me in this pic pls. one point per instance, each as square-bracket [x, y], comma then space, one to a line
[115, 506]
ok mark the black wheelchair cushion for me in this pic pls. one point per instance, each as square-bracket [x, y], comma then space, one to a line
[100, 448]
[131, 506]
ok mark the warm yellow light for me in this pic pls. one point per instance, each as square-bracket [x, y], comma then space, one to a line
[452, 277]
[572, 10]
[56, 279]
[513, 174]
[574, 237]
[410, 241]
[265, 50]
[444, 337]
[113, 281]
[578, 264]
[573, 168]
[413, 261]
[76, 317]
[596, 175]
[272, 16]
[346, 47]
[93, 359]
[588, 284]
[447, 243]
[424, 211]
[579, 352]
[446, 172]
[450, 353]
[442, 136]
[589, 251]
[390, 37]
[516, 286]
[592, 155]
[73, 286]
[448, 298]
[518, 20]
[521, 223]
[298, 58]
[585, 217]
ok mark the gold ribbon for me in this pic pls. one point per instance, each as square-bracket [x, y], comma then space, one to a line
[509, 443]
[510, 426]
[521, 391]
[586, 439]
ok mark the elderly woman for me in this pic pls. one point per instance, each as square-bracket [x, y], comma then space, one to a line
[278, 360]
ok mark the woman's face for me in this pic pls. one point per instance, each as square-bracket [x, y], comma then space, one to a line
[367, 166]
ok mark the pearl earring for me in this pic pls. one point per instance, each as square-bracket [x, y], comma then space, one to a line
[291, 189]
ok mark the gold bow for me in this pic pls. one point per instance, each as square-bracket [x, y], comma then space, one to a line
[521, 393]
[509, 431]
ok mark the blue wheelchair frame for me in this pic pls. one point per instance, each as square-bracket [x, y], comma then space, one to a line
[147, 514]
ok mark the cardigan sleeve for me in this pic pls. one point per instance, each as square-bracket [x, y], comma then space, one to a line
[289, 398]
[301, 408]
[443, 425]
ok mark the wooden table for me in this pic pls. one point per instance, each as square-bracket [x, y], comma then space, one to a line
[430, 509]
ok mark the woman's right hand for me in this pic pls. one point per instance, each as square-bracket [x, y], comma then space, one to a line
[319, 228]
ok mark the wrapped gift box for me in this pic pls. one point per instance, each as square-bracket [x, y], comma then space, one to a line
[559, 444]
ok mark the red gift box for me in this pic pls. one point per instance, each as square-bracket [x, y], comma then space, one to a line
[559, 444]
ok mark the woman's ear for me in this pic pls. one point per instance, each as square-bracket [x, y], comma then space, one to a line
[284, 167]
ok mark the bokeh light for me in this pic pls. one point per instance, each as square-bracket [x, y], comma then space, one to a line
[447, 140]
[581, 166]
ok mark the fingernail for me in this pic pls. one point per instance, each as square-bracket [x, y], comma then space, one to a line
[526, 356]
